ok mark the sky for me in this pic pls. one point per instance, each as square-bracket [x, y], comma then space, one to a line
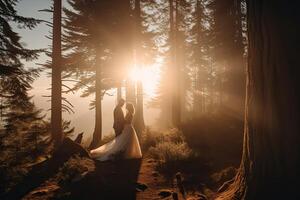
[83, 119]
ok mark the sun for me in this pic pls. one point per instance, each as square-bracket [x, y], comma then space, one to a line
[149, 76]
[136, 74]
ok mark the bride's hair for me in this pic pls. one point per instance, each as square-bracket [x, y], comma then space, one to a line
[130, 108]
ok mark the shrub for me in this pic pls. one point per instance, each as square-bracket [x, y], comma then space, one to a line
[172, 152]
[152, 138]
[219, 135]
[11, 176]
[74, 167]
[149, 139]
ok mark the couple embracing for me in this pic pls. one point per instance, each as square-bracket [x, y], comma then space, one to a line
[125, 144]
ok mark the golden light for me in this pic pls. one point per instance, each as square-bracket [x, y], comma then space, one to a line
[136, 74]
[149, 77]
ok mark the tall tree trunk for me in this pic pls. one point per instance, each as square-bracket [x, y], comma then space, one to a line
[128, 48]
[139, 117]
[173, 63]
[56, 96]
[236, 77]
[139, 122]
[198, 96]
[119, 92]
[130, 92]
[270, 166]
[97, 135]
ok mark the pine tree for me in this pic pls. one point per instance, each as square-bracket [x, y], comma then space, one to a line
[139, 116]
[56, 89]
[228, 52]
[26, 135]
[174, 65]
[145, 52]
[161, 20]
[96, 58]
[199, 56]
[15, 80]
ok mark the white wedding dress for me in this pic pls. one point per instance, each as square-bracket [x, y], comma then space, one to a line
[125, 146]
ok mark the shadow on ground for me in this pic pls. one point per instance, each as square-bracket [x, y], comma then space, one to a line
[110, 180]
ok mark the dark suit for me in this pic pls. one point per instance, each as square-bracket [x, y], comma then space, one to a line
[119, 120]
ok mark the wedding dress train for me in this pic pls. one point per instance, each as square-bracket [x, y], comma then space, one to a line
[126, 146]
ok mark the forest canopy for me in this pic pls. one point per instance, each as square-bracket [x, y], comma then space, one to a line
[189, 99]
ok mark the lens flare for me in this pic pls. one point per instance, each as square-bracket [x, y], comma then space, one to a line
[149, 76]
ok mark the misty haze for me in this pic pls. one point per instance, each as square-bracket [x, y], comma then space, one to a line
[149, 99]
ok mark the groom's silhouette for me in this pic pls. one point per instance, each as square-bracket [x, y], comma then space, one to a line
[119, 119]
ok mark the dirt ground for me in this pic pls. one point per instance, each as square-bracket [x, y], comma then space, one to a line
[124, 179]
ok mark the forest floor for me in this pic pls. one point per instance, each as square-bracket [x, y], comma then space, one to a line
[124, 179]
[216, 140]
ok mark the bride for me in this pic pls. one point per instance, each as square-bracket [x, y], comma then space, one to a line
[125, 145]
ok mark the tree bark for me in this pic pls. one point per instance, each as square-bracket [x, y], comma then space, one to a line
[130, 92]
[198, 96]
[173, 62]
[139, 116]
[119, 93]
[97, 135]
[270, 166]
[56, 96]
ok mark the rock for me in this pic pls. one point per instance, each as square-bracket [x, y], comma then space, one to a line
[155, 174]
[201, 197]
[40, 192]
[45, 191]
[165, 193]
[140, 187]
[79, 177]
[175, 196]
[69, 148]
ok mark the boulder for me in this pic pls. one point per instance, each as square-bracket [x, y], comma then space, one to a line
[165, 193]
[79, 177]
[69, 148]
[140, 187]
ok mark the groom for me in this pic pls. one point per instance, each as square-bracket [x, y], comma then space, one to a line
[119, 119]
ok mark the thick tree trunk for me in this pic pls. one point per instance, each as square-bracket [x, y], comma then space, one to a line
[270, 166]
[56, 96]
[97, 135]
